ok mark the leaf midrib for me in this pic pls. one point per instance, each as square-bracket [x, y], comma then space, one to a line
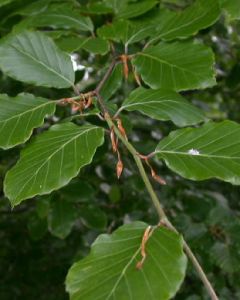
[56, 151]
[198, 155]
[27, 111]
[154, 101]
[123, 273]
[41, 63]
[68, 17]
[165, 62]
[182, 26]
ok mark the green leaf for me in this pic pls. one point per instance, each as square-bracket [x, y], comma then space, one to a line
[133, 10]
[115, 194]
[110, 272]
[232, 7]
[52, 160]
[224, 257]
[125, 31]
[212, 151]
[176, 66]
[200, 15]
[33, 57]
[57, 16]
[90, 44]
[61, 218]
[78, 191]
[33, 8]
[37, 227]
[116, 5]
[93, 217]
[113, 83]
[43, 206]
[5, 2]
[20, 115]
[163, 105]
[96, 8]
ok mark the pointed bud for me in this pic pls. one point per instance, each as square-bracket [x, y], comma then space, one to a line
[121, 128]
[159, 180]
[113, 141]
[119, 168]
[124, 59]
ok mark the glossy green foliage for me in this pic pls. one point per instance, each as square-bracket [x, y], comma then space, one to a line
[126, 10]
[43, 63]
[74, 198]
[177, 66]
[57, 16]
[52, 160]
[212, 151]
[163, 105]
[20, 115]
[232, 8]
[125, 31]
[172, 25]
[110, 270]
[90, 44]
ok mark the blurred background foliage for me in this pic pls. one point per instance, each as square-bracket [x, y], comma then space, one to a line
[42, 237]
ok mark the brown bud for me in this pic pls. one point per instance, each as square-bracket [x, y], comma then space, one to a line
[113, 140]
[121, 128]
[159, 179]
[124, 59]
[119, 168]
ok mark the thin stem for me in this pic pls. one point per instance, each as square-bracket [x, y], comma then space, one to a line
[106, 76]
[200, 271]
[162, 216]
[139, 164]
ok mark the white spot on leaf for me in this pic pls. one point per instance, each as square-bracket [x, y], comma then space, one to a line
[193, 152]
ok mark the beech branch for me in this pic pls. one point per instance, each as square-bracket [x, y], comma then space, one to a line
[163, 219]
